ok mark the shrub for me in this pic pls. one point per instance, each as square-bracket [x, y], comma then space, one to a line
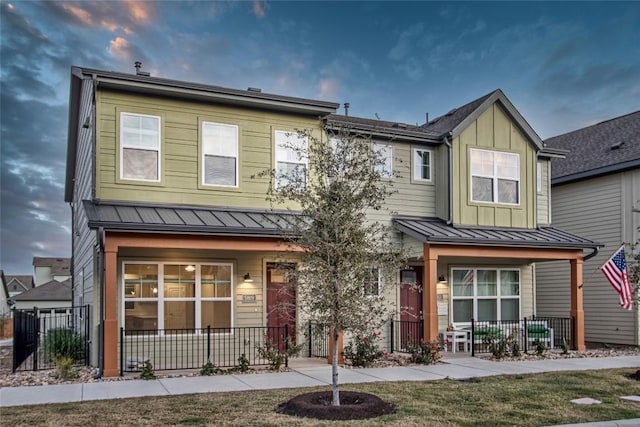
[64, 342]
[540, 347]
[500, 347]
[64, 366]
[243, 363]
[425, 352]
[209, 369]
[147, 371]
[277, 353]
[365, 350]
[565, 346]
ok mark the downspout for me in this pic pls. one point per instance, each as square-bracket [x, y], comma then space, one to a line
[595, 252]
[101, 284]
[447, 142]
[72, 269]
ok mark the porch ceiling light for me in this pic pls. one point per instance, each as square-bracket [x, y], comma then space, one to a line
[190, 268]
[247, 278]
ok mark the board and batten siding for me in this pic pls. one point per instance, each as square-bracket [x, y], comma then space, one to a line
[180, 181]
[594, 209]
[493, 130]
[543, 206]
[85, 282]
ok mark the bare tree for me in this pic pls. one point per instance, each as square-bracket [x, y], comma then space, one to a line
[336, 182]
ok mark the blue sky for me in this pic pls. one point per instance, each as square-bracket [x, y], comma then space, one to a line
[564, 65]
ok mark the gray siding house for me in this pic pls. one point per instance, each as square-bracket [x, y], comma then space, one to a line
[596, 194]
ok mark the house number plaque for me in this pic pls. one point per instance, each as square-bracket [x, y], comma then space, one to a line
[248, 298]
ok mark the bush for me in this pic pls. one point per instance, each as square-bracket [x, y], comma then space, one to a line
[500, 347]
[63, 342]
[365, 350]
[540, 347]
[147, 371]
[64, 366]
[565, 346]
[209, 369]
[243, 363]
[277, 353]
[425, 352]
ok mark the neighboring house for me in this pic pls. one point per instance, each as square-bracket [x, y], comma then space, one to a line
[596, 193]
[172, 231]
[48, 269]
[18, 284]
[5, 307]
[46, 297]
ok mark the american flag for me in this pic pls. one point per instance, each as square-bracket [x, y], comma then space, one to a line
[615, 270]
[467, 280]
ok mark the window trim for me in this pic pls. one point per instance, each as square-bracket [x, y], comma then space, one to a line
[122, 146]
[415, 168]
[368, 286]
[495, 177]
[160, 299]
[277, 153]
[474, 297]
[203, 123]
[539, 177]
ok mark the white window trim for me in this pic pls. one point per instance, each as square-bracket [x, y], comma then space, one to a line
[123, 146]
[379, 281]
[495, 177]
[539, 176]
[474, 298]
[386, 152]
[204, 154]
[303, 161]
[417, 168]
[160, 299]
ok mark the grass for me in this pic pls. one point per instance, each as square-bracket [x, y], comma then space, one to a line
[520, 400]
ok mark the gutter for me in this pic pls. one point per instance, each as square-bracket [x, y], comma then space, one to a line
[447, 142]
[595, 252]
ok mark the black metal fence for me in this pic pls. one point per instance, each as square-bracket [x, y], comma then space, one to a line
[403, 332]
[529, 334]
[318, 340]
[172, 349]
[40, 336]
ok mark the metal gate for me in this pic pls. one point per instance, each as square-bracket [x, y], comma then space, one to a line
[40, 336]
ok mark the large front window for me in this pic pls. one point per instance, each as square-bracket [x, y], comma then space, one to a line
[139, 147]
[495, 177]
[177, 297]
[485, 294]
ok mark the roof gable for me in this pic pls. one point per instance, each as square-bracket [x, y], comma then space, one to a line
[59, 266]
[15, 283]
[606, 147]
[458, 119]
[50, 291]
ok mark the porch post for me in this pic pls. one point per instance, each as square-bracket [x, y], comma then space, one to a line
[429, 294]
[577, 311]
[110, 311]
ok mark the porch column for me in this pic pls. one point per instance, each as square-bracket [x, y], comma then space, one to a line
[577, 311]
[429, 294]
[110, 302]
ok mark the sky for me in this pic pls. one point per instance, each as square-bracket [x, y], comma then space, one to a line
[564, 65]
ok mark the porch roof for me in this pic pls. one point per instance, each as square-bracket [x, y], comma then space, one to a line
[165, 218]
[434, 230]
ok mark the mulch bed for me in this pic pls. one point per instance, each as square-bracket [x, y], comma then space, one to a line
[353, 406]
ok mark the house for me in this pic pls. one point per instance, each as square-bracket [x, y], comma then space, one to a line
[18, 284]
[48, 269]
[172, 233]
[596, 193]
[5, 308]
[48, 297]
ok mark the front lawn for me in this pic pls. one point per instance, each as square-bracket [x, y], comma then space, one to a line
[519, 400]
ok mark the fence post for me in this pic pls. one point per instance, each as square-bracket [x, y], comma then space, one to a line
[391, 334]
[209, 343]
[121, 351]
[526, 335]
[36, 337]
[473, 338]
[286, 345]
[310, 343]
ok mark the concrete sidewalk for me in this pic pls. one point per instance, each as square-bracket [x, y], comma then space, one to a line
[306, 374]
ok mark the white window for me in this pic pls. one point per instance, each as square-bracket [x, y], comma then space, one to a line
[485, 294]
[539, 177]
[177, 298]
[372, 285]
[291, 157]
[422, 165]
[139, 147]
[219, 154]
[385, 152]
[495, 177]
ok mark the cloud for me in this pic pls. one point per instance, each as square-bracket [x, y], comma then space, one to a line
[406, 44]
[329, 89]
[119, 48]
[259, 8]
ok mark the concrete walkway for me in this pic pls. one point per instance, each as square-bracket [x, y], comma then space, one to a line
[308, 373]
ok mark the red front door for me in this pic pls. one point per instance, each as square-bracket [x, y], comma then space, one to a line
[281, 299]
[410, 306]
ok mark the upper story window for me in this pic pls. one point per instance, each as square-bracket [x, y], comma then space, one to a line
[539, 177]
[422, 165]
[291, 158]
[219, 154]
[139, 147]
[495, 177]
[385, 152]
[372, 285]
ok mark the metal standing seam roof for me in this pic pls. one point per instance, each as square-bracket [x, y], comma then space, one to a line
[433, 230]
[188, 219]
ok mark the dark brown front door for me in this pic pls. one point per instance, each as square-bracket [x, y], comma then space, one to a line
[410, 306]
[281, 299]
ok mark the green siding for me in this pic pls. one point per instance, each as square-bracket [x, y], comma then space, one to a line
[180, 162]
[493, 130]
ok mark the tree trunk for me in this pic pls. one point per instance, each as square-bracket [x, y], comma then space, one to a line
[334, 368]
